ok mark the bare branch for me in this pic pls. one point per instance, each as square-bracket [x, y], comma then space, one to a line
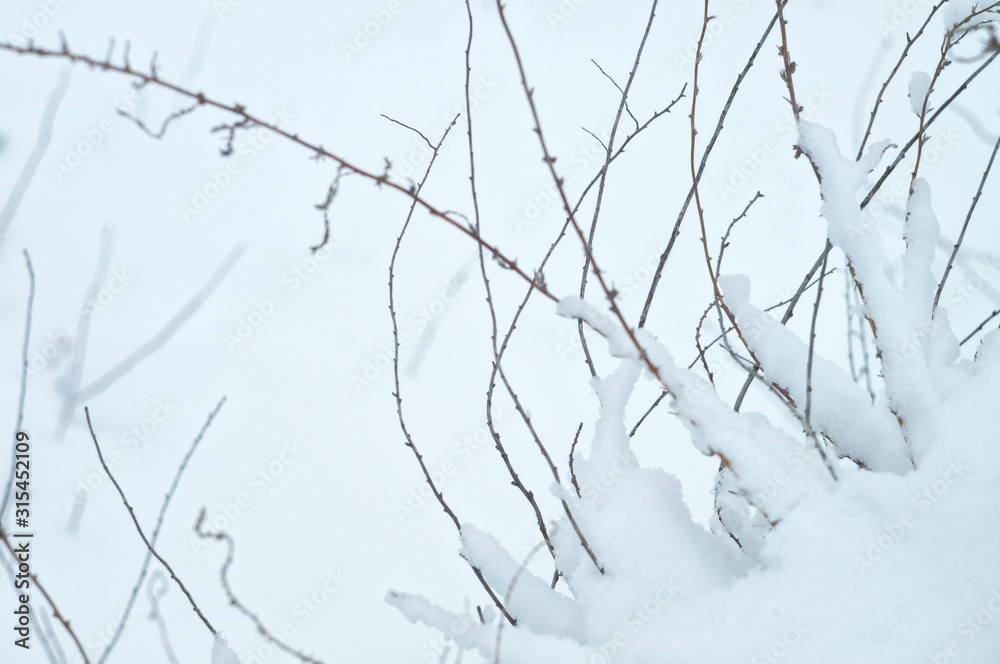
[127, 611]
[138, 528]
[231, 596]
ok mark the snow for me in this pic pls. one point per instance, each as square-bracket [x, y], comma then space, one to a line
[920, 85]
[805, 560]
[720, 536]
[870, 435]
[222, 653]
[958, 11]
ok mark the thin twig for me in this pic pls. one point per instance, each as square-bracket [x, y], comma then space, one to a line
[549, 160]
[156, 532]
[719, 298]
[979, 327]
[812, 344]
[497, 367]
[138, 528]
[324, 207]
[965, 226]
[572, 456]
[395, 373]
[231, 596]
[615, 83]
[622, 106]
[247, 120]
[910, 41]
[930, 121]
[510, 591]
[947, 43]
[701, 169]
[166, 121]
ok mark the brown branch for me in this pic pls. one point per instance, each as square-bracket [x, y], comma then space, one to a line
[697, 193]
[529, 496]
[950, 39]
[902, 153]
[550, 161]
[906, 50]
[247, 119]
[675, 233]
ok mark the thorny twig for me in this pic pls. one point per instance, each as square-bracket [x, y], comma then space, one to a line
[395, 373]
[247, 120]
[127, 611]
[231, 596]
[965, 225]
[622, 106]
[675, 233]
[138, 528]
